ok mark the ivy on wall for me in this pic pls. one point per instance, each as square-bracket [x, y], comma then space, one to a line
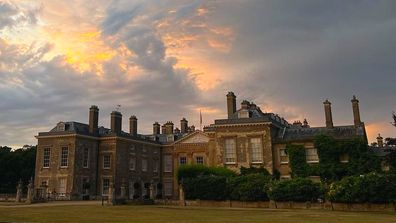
[360, 159]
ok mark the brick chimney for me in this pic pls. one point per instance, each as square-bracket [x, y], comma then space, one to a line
[133, 125]
[183, 126]
[156, 128]
[356, 112]
[116, 122]
[231, 104]
[328, 115]
[93, 119]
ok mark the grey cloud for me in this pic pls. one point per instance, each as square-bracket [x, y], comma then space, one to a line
[11, 15]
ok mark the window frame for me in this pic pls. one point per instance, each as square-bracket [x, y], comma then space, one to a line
[310, 155]
[46, 157]
[85, 157]
[259, 150]
[227, 158]
[168, 163]
[285, 155]
[107, 187]
[64, 157]
[104, 162]
[200, 157]
[183, 160]
[144, 165]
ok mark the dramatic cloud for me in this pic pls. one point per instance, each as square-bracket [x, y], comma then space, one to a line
[164, 60]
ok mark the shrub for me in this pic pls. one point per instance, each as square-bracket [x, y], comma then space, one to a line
[194, 171]
[373, 188]
[251, 187]
[207, 187]
[253, 170]
[298, 189]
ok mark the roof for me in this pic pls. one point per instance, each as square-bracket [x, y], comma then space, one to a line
[338, 132]
[382, 151]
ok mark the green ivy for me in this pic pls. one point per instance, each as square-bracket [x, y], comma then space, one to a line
[329, 168]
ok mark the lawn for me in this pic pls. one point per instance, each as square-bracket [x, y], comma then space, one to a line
[164, 214]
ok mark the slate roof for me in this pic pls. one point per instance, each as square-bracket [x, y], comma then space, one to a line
[382, 151]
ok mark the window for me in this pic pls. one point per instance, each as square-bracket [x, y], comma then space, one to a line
[168, 163]
[183, 160]
[46, 158]
[155, 166]
[106, 162]
[132, 163]
[283, 157]
[85, 157]
[311, 155]
[230, 151]
[105, 186]
[168, 187]
[132, 150]
[144, 165]
[62, 187]
[64, 156]
[257, 150]
[344, 158]
[199, 160]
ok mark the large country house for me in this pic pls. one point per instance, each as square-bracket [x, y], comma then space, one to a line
[85, 161]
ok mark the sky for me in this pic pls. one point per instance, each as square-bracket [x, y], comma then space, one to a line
[169, 59]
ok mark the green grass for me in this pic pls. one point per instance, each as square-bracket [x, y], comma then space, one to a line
[146, 214]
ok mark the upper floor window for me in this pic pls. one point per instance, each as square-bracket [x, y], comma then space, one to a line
[144, 165]
[168, 163]
[230, 151]
[283, 157]
[106, 162]
[46, 157]
[64, 157]
[132, 163]
[85, 157]
[199, 160]
[155, 166]
[182, 160]
[256, 150]
[311, 155]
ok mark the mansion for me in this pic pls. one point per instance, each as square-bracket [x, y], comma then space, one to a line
[85, 161]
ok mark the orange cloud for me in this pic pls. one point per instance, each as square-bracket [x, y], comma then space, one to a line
[383, 128]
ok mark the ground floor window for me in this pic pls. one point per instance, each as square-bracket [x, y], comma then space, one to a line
[168, 188]
[62, 187]
[105, 186]
[199, 160]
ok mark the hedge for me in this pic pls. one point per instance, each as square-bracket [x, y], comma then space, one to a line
[250, 187]
[372, 188]
[194, 171]
[298, 189]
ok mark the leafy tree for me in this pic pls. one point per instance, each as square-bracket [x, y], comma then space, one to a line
[297, 189]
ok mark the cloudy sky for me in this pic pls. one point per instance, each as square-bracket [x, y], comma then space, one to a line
[164, 60]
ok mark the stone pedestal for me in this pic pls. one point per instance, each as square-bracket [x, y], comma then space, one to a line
[152, 197]
[181, 196]
[19, 192]
[123, 190]
[29, 198]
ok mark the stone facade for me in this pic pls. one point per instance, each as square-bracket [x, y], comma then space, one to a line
[81, 161]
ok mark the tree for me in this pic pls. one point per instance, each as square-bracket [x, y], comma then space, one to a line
[394, 119]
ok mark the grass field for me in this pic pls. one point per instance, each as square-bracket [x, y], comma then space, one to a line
[146, 214]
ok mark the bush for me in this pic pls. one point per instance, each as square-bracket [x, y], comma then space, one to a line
[194, 171]
[373, 188]
[206, 187]
[251, 187]
[298, 189]
[253, 170]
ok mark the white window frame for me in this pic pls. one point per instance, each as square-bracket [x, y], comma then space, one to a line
[105, 166]
[168, 164]
[199, 160]
[256, 149]
[315, 154]
[283, 154]
[230, 151]
[46, 157]
[105, 186]
[62, 185]
[182, 160]
[64, 158]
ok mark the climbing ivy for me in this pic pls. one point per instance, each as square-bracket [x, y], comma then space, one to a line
[329, 168]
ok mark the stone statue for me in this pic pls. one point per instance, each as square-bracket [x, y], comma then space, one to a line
[111, 200]
[29, 198]
[19, 191]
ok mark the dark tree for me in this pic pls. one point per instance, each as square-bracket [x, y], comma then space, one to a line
[394, 119]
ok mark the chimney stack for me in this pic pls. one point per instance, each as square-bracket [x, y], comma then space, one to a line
[156, 128]
[380, 141]
[328, 115]
[356, 112]
[163, 129]
[133, 125]
[183, 126]
[231, 104]
[169, 127]
[116, 122]
[93, 119]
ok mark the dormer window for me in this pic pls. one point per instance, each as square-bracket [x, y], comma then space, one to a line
[61, 127]
[243, 114]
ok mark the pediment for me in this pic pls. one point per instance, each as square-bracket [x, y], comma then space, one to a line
[196, 137]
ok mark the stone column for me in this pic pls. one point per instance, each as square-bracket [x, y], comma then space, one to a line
[111, 200]
[181, 195]
[29, 198]
[19, 192]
